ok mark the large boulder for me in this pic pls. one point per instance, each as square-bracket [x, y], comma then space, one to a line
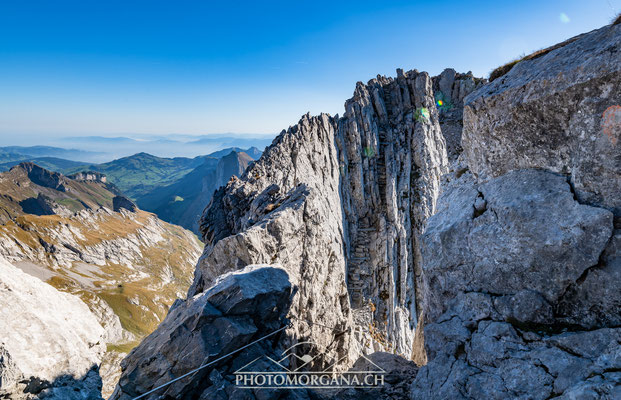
[51, 345]
[239, 308]
[522, 258]
[500, 259]
[522, 231]
[559, 112]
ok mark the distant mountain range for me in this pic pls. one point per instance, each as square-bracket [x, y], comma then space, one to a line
[162, 146]
[176, 189]
[13, 153]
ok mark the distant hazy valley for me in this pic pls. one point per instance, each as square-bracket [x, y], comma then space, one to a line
[176, 189]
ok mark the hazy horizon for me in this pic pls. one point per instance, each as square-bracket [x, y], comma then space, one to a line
[100, 149]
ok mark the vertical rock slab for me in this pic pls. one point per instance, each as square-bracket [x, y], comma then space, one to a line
[560, 112]
[392, 155]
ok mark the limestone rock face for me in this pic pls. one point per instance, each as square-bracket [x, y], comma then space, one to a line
[450, 89]
[127, 266]
[239, 308]
[50, 345]
[560, 112]
[532, 235]
[522, 257]
[340, 203]
[513, 273]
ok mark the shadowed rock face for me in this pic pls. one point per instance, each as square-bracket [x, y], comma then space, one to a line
[122, 202]
[43, 177]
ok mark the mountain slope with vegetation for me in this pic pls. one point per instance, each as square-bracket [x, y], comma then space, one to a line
[183, 202]
[80, 236]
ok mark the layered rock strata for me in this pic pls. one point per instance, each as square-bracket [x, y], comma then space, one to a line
[341, 203]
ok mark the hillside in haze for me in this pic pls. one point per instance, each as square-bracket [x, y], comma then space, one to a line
[183, 202]
[28, 153]
[176, 189]
[175, 145]
[140, 173]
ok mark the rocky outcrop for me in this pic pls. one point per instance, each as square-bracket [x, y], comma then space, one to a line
[238, 309]
[497, 277]
[122, 202]
[51, 344]
[513, 273]
[560, 112]
[43, 177]
[340, 203]
[89, 176]
[528, 243]
[522, 257]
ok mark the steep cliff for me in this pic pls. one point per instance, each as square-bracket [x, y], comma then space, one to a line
[523, 257]
[341, 203]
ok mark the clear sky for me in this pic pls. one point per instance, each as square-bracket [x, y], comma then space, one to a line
[89, 67]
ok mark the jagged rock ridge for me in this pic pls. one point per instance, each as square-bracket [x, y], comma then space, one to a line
[515, 268]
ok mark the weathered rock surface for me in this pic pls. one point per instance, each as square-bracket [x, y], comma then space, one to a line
[239, 308]
[532, 235]
[549, 113]
[497, 278]
[450, 89]
[522, 264]
[50, 343]
[515, 269]
[398, 375]
[340, 203]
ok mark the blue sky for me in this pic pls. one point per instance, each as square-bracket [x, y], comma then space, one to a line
[197, 67]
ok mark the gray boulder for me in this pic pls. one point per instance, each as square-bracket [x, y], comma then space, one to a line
[509, 314]
[532, 241]
[238, 309]
[558, 112]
